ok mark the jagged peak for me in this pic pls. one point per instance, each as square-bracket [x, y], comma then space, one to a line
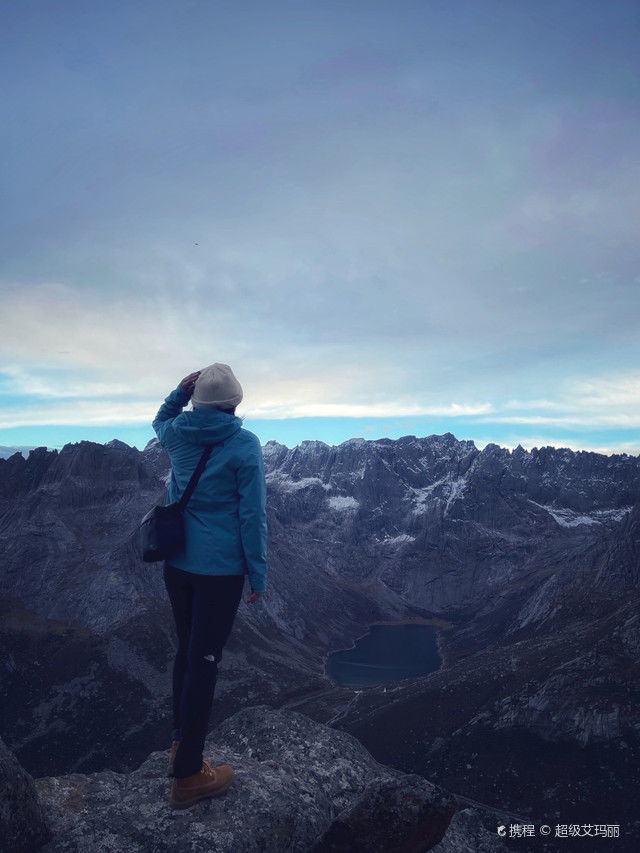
[406, 439]
[442, 438]
[274, 449]
[446, 438]
[115, 442]
[70, 445]
[353, 442]
[312, 444]
[40, 451]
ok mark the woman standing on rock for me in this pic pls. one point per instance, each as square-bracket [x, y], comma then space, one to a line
[225, 538]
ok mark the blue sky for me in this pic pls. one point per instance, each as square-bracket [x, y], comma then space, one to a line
[389, 218]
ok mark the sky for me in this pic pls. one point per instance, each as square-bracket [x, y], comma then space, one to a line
[389, 218]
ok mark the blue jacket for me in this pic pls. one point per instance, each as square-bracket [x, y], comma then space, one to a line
[226, 518]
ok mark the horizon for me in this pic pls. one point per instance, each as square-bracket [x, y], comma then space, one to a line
[480, 447]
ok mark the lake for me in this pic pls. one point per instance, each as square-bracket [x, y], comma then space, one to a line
[386, 654]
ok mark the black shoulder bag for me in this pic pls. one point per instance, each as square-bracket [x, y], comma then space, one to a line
[161, 531]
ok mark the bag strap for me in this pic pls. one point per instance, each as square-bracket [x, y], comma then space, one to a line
[193, 482]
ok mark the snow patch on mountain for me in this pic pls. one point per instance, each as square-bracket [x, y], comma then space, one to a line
[343, 502]
[285, 483]
[423, 495]
[570, 518]
[455, 486]
[395, 540]
[541, 604]
[456, 491]
[614, 514]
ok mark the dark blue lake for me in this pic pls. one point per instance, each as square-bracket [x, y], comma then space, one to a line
[386, 654]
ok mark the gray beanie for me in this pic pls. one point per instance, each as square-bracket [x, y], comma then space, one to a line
[217, 388]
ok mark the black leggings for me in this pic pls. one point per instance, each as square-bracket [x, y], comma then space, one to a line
[204, 608]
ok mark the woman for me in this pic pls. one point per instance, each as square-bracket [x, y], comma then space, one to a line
[225, 538]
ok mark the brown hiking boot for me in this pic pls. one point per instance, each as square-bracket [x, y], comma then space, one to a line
[209, 782]
[172, 755]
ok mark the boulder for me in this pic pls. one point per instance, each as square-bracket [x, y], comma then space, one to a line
[391, 815]
[468, 833]
[298, 785]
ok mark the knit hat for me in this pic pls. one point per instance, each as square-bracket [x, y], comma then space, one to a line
[217, 388]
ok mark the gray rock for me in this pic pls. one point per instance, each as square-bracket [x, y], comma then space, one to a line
[23, 827]
[406, 815]
[468, 834]
[294, 777]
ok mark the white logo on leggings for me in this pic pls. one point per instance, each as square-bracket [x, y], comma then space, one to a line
[212, 658]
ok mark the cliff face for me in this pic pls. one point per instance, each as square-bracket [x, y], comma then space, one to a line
[299, 786]
[440, 523]
[24, 825]
[528, 561]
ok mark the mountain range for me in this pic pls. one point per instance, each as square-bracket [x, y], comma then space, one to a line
[527, 563]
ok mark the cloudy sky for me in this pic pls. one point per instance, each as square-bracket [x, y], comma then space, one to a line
[390, 218]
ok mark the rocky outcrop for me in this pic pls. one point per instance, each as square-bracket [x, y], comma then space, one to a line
[395, 814]
[468, 834]
[23, 826]
[618, 562]
[299, 786]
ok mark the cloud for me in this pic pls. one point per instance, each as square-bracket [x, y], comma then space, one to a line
[610, 399]
[85, 413]
[381, 410]
[378, 215]
[130, 350]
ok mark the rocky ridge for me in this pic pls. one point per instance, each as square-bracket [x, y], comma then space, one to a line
[299, 786]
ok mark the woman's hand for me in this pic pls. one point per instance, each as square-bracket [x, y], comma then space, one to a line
[189, 382]
[253, 597]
